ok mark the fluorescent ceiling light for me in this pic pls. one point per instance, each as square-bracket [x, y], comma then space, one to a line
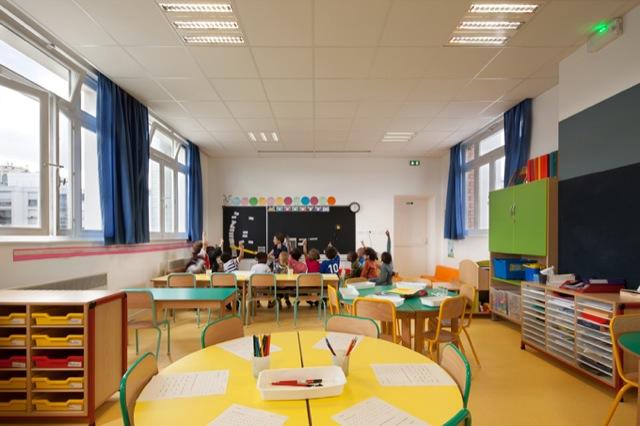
[252, 137]
[489, 25]
[274, 135]
[213, 39]
[397, 136]
[503, 8]
[197, 7]
[206, 25]
[263, 137]
[479, 40]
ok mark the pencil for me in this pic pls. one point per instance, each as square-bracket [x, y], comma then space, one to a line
[329, 346]
[352, 345]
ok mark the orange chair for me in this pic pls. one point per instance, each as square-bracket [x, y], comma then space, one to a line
[445, 274]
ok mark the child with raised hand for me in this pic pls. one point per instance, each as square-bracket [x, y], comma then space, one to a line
[331, 265]
[311, 258]
[356, 267]
[261, 267]
[295, 264]
[199, 261]
[370, 268]
[230, 263]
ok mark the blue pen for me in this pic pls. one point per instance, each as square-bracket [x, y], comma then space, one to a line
[256, 351]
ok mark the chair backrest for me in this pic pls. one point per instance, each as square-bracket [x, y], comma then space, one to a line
[377, 309]
[132, 383]
[224, 329]
[355, 280]
[469, 272]
[446, 273]
[262, 280]
[353, 325]
[181, 280]
[223, 279]
[469, 293]
[621, 324]
[457, 365]
[334, 301]
[461, 418]
[452, 308]
[142, 299]
[309, 280]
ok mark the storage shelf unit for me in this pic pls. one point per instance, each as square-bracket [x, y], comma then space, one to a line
[553, 321]
[93, 323]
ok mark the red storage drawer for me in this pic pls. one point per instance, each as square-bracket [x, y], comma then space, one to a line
[74, 361]
[18, 361]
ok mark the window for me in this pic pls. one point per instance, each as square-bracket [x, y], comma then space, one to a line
[167, 183]
[484, 172]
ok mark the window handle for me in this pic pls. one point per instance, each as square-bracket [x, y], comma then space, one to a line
[59, 166]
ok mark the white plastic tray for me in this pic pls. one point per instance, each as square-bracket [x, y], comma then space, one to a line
[333, 381]
[349, 293]
[393, 298]
[362, 285]
[433, 301]
[411, 285]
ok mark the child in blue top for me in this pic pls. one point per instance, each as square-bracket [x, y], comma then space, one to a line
[332, 263]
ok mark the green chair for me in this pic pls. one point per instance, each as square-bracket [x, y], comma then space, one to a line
[457, 365]
[262, 287]
[142, 300]
[462, 417]
[133, 382]
[184, 280]
[307, 288]
[353, 325]
[227, 328]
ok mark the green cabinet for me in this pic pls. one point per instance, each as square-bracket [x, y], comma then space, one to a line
[518, 219]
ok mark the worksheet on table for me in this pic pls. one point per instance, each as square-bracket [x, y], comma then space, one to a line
[185, 385]
[339, 341]
[376, 412]
[243, 347]
[411, 375]
[239, 415]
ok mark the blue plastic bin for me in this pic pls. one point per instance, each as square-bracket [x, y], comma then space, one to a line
[532, 274]
[509, 268]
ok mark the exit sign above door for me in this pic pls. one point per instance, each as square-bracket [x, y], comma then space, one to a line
[414, 162]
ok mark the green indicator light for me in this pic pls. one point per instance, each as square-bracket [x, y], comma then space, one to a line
[601, 28]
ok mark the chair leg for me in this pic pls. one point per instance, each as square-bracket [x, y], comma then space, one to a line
[198, 317]
[616, 401]
[137, 343]
[295, 312]
[473, 350]
[158, 341]
[168, 339]
[277, 303]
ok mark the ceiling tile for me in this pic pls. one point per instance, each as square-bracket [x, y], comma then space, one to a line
[402, 62]
[284, 62]
[390, 147]
[189, 89]
[276, 22]
[486, 89]
[239, 90]
[424, 138]
[519, 62]
[437, 89]
[407, 124]
[498, 108]
[389, 90]
[112, 61]
[258, 124]
[289, 90]
[229, 138]
[415, 109]
[329, 136]
[336, 109]
[349, 23]
[220, 124]
[368, 124]
[165, 61]
[296, 138]
[144, 89]
[463, 109]
[444, 125]
[185, 125]
[343, 62]
[225, 62]
[339, 90]
[207, 109]
[378, 109]
[249, 109]
[530, 88]
[335, 124]
[292, 109]
[168, 109]
[459, 62]
[295, 124]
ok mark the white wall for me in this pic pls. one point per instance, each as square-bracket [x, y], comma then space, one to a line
[544, 131]
[372, 182]
[588, 78]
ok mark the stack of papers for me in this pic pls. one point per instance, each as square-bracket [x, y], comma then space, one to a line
[349, 292]
[185, 385]
[374, 412]
[362, 285]
[397, 300]
[433, 301]
[411, 375]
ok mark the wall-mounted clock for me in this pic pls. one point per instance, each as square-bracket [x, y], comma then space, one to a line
[354, 207]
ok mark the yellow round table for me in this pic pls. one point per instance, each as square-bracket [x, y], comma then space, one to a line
[433, 404]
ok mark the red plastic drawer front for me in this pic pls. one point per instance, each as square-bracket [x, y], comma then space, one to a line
[75, 361]
[14, 362]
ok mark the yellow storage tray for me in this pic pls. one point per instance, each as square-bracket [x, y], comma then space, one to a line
[14, 405]
[68, 319]
[69, 405]
[14, 319]
[72, 340]
[14, 340]
[14, 383]
[68, 383]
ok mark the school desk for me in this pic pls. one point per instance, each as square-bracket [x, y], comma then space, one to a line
[191, 298]
[630, 343]
[412, 310]
[433, 404]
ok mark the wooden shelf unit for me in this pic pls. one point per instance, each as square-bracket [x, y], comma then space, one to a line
[104, 350]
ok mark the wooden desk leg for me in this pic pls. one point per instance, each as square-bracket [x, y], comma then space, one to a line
[418, 336]
[405, 321]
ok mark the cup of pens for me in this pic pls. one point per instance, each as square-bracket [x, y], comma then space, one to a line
[340, 358]
[261, 354]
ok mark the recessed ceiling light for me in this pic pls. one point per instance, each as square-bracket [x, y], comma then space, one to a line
[489, 25]
[263, 137]
[397, 136]
[252, 137]
[214, 39]
[197, 7]
[479, 40]
[274, 135]
[503, 8]
[206, 25]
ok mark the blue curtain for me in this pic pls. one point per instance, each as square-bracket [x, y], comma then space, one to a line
[517, 139]
[455, 208]
[123, 164]
[194, 193]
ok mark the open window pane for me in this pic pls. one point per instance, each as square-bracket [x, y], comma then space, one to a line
[64, 172]
[182, 155]
[182, 202]
[470, 185]
[91, 214]
[483, 196]
[19, 158]
[162, 143]
[88, 100]
[494, 141]
[154, 196]
[168, 200]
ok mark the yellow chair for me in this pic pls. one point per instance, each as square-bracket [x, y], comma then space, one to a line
[333, 300]
[225, 279]
[379, 310]
[353, 325]
[262, 287]
[132, 383]
[309, 287]
[219, 331]
[469, 293]
[140, 301]
[621, 324]
[457, 365]
[451, 310]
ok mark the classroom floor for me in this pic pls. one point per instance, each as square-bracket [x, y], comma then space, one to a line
[513, 387]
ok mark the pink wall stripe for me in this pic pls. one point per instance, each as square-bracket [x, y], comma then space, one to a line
[42, 253]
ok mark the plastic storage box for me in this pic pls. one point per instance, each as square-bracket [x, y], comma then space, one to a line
[499, 301]
[72, 340]
[532, 273]
[69, 405]
[68, 383]
[14, 405]
[68, 319]
[514, 307]
[333, 381]
[13, 383]
[17, 318]
[74, 361]
[17, 361]
[509, 268]
[13, 340]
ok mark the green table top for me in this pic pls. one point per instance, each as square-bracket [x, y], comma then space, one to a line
[410, 305]
[171, 294]
[630, 341]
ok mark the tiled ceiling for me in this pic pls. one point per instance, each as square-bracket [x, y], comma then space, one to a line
[326, 75]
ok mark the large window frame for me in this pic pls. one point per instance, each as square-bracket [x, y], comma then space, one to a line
[474, 161]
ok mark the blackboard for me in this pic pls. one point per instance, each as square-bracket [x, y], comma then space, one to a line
[245, 223]
[338, 226]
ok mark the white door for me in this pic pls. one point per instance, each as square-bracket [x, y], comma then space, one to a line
[410, 235]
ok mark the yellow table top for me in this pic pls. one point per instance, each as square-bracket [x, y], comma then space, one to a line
[244, 276]
[433, 404]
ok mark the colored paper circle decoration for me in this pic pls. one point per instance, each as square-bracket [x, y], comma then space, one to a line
[262, 201]
[323, 201]
[244, 201]
[296, 201]
[331, 201]
[279, 201]
[314, 200]
[253, 201]
[235, 201]
[270, 201]
[304, 200]
[287, 201]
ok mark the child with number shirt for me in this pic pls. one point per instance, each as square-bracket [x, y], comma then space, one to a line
[331, 265]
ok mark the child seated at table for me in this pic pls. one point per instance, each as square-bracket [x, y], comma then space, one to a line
[230, 263]
[356, 267]
[282, 264]
[370, 268]
[297, 266]
[261, 266]
[385, 276]
[331, 265]
[199, 261]
[311, 258]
